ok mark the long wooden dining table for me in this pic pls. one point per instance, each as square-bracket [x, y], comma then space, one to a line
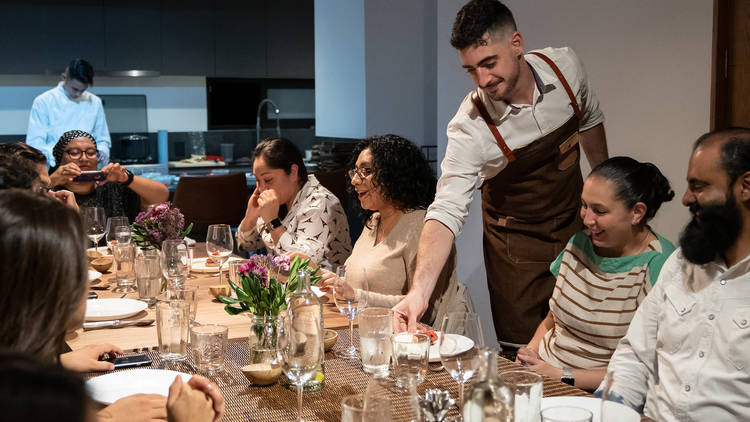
[247, 402]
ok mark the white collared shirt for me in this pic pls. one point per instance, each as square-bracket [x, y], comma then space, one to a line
[687, 352]
[53, 114]
[316, 226]
[472, 154]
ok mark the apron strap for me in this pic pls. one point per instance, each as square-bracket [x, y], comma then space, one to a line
[564, 82]
[488, 120]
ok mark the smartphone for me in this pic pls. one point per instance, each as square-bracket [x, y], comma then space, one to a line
[90, 176]
[130, 361]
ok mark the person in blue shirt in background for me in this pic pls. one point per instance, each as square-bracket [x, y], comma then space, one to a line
[69, 106]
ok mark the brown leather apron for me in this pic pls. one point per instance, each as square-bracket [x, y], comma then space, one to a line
[529, 210]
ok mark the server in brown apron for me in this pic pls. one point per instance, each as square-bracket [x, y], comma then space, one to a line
[521, 238]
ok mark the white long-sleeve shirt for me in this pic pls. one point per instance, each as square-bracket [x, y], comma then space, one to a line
[686, 355]
[315, 225]
[53, 114]
[472, 154]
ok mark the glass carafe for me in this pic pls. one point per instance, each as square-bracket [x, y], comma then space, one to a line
[488, 399]
[303, 300]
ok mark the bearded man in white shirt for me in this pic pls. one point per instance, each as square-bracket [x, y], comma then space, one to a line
[686, 355]
[517, 136]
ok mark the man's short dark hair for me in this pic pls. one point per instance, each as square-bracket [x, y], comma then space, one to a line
[735, 150]
[18, 174]
[478, 17]
[22, 150]
[80, 70]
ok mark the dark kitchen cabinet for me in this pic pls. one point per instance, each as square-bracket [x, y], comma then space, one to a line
[132, 35]
[290, 49]
[241, 31]
[187, 37]
[41, 37]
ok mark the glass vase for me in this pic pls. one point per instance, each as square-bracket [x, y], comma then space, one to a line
[264, 367]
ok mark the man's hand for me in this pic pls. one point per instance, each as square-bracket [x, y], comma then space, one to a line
[65, 197]
[407, 312]
[86, 359]
[64, 174]
[135, 408]
[269, 205]
[186, 404]
[115, 173]
[201, 383]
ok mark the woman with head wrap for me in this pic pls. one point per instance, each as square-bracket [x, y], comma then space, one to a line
[121, 193]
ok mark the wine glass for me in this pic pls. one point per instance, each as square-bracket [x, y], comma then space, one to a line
[219, 244]
[460, 340]
[301, 348]
[174, 261]
[93, 220]
[112, 224]
[349, 305]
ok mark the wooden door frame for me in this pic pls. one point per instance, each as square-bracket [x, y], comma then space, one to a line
[719, 63]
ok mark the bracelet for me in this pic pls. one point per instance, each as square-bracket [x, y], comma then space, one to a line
[130, 178]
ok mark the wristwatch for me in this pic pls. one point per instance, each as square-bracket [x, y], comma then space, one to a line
[567, 376]
[130, 178]
[275, 223]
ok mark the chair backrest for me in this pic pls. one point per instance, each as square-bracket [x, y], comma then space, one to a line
[206, 200]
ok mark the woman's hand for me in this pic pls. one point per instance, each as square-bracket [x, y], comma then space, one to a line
[188, 404]
[86, 359]
[115, 173]
[531, 359]
[269, 205]
[64, 174]
[135, 408]
[252, 212]
[330, 281]
[200, 383]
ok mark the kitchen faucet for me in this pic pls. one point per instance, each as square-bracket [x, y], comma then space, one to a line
[257, 120]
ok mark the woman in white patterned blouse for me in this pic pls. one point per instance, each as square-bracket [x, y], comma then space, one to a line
[290, 211]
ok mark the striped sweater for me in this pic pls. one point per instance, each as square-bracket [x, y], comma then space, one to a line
[594, 300]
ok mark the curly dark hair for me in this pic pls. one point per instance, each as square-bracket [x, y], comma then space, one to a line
[400, 171]
[478, 17]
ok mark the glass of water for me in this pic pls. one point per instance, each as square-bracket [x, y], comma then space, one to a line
[172, 329]
[526, 387]
[188, 293]
[349, 304]
[460, 340]
[375, 332]
[124, 255]
[353, 409]
[209, 344]
[410, 358]
[148, 277]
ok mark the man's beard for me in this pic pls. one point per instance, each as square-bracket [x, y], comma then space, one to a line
[713, 229]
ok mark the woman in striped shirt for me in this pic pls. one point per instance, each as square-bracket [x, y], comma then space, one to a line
[603, 274]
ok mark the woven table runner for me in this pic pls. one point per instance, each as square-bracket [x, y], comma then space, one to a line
[343, 377]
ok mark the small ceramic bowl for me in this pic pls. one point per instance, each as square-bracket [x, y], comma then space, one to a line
[219, 290]
[329, 339]
[102, 264]
[92, 255]
[262, 373]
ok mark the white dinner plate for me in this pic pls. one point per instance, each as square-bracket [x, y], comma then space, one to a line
[198, 265]
[93, 275]
[106, 309]
[104, 250]
[619, 412]
[111, 387]
[453, 342]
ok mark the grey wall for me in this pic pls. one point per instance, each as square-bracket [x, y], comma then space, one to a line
[649, 62]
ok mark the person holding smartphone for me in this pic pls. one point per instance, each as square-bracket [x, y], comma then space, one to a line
[114, 188]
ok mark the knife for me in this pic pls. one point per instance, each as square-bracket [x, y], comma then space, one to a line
[87, 326]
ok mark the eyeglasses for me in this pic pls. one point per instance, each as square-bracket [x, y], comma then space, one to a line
[43, 189]
[362, 172]
[75, 153]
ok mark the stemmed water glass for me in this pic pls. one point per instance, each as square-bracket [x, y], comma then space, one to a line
[112, 228]
[174, 261]
[349, 304]
[301, 348]
[93, 220]
[219, 244]
[460, 340]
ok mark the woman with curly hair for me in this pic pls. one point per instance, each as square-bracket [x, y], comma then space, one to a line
[394, 185]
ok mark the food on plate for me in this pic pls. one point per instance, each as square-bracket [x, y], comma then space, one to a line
[211, 263]
[433, 336]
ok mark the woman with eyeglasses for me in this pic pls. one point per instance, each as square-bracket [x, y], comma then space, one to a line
[394, 185]
[121, 193]
[290, 211]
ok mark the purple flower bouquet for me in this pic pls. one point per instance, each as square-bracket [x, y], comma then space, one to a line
[159, 224]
